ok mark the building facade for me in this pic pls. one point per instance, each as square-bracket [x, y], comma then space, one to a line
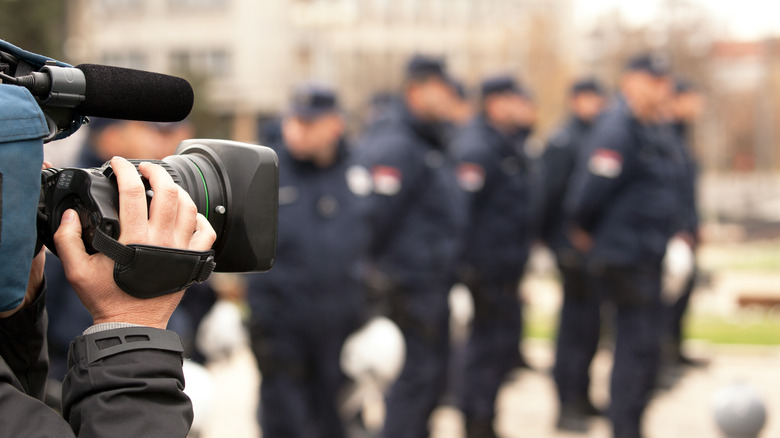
[246, 54]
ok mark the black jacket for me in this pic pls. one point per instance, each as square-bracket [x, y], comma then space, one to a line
[416, 207]
[494, 174]
[559, 161]
[134, 393]
[626, 190]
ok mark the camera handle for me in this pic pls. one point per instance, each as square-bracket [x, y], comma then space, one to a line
[146, 271]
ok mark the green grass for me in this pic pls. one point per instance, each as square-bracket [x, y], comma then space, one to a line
[756, 257]
[745, 330]
[748, 329]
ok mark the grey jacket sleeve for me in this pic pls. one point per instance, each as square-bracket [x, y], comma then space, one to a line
[127, 382]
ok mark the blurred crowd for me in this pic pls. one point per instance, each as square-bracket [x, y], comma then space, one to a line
[440, 188]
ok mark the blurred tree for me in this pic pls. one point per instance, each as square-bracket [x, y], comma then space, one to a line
[38, 26]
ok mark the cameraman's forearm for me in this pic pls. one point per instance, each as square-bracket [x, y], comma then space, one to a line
[127, 382]
[23, 345]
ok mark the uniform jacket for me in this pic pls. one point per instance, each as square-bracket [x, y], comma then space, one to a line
[416, 206]
[131, 394]
[493, 173]
[559, 161]
[626, 193]
[322, 241]
[690, 219]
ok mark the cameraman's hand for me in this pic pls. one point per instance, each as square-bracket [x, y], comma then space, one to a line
[173, 221]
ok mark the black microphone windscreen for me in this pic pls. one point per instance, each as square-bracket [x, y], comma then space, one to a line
[123, 93]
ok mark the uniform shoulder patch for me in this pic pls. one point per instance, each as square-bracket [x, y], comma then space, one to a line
[387, 180]
[606, 163]
[359, 180]
[471, 177]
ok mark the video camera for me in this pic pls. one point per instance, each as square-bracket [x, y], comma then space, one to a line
[234, 185]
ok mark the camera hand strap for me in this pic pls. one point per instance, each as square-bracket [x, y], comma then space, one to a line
[146, 271]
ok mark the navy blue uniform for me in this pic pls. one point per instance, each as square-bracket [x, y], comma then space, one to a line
[626, 197]
[579, 325]
[493, 174]
[690, 225]
[417, 217]
[306, 306]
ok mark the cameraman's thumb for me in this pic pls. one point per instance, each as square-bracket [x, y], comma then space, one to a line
[67, 239]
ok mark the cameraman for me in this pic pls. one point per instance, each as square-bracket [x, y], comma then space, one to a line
[125, 372]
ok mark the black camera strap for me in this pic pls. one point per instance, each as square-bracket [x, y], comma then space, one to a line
[146, 271]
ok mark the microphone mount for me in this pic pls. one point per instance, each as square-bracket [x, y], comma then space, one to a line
[57, 89]
[56, 86]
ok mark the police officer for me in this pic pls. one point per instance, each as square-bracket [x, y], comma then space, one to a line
[578, 332]
[492, 172]
[686, 106]
[416, 220]
[623, 205]
[303, 309]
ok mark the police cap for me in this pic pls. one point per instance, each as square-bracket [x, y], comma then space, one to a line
[421, 67]
[652, 63]
[682, 86]
[311, 101]
[587, 85]
[502, 84]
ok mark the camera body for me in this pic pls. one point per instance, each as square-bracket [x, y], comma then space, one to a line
[234, 185]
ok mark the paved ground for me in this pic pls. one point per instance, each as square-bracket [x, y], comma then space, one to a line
[526, 403]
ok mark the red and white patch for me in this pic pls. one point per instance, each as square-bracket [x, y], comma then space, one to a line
[606, 163]
[471, 177]
[387, 180]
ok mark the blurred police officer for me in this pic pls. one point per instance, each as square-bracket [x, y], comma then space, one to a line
[417, 218]
[493, 176]
[303, 309]
[578, 332]
[623, 205]
[686, 106]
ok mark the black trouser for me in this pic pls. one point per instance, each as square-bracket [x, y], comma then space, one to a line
[492, 350]
[636, 293]
[674, 315]
[422, 314]
[578, 335]
[301, 375]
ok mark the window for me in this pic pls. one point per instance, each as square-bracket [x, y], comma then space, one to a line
[210, 63]
[198, 5]
[134, 60]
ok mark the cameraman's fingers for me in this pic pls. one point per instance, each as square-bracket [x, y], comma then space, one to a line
[132, 202]
[204, 235]
[165, 203]
[67, 240]
[186, 219]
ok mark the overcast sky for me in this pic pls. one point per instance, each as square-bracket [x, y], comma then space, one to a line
[740, 19]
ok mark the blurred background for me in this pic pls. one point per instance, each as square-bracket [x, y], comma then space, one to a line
[243, 57]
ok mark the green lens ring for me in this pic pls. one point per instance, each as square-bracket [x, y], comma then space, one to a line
[205, 187]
